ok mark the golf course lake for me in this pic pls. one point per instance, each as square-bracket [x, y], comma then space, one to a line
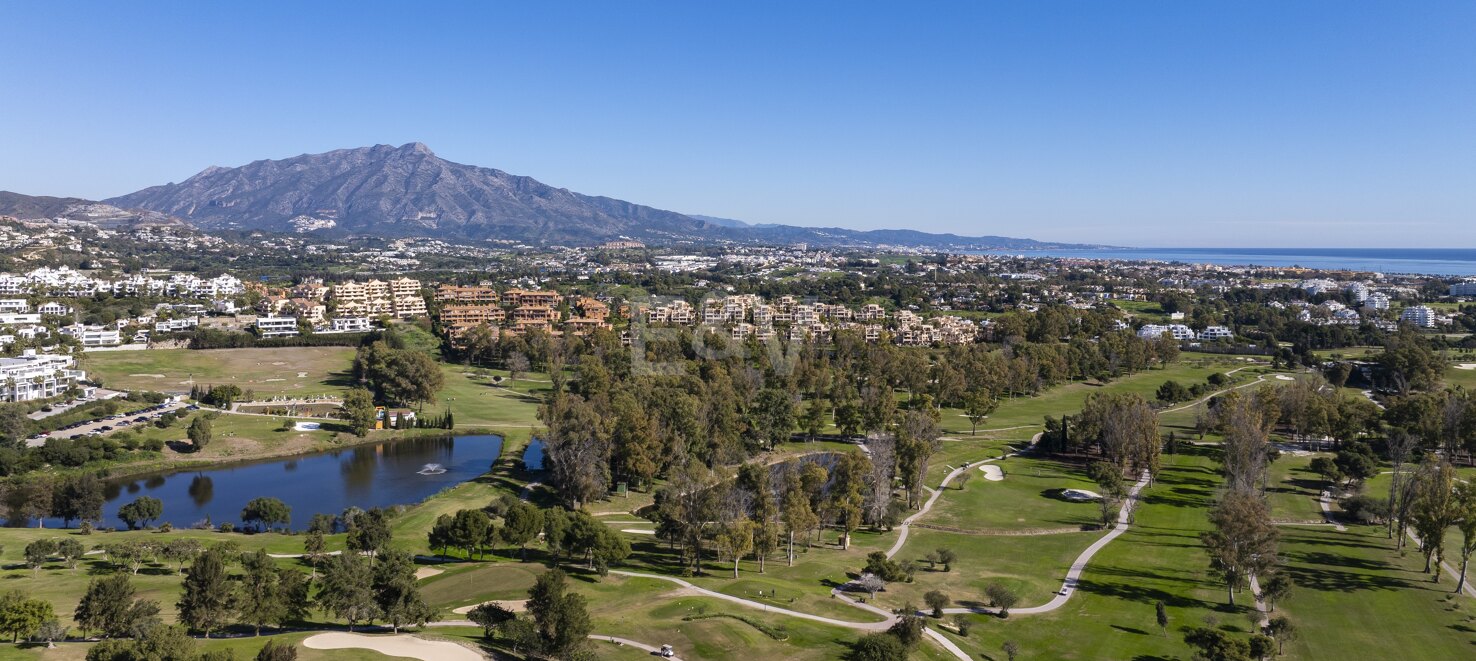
[379, 475]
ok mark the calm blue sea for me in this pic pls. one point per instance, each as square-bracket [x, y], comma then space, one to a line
[1435, 261]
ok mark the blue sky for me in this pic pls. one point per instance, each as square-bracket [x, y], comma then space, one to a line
[1134, 123]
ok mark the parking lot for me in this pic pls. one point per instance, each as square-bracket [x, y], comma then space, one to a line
[109, 424]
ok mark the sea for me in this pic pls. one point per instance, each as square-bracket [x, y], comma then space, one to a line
[1427, 261]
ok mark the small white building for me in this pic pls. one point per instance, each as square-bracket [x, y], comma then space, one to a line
[53, 308]
[276, 326]
[351, 325]
[14, 305]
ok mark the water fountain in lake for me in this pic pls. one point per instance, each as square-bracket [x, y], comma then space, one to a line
[431, 469]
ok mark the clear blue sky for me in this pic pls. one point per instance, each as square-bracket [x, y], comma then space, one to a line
[1175, 123]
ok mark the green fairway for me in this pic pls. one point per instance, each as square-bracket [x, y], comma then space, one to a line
[1026, 500]
[295, 371]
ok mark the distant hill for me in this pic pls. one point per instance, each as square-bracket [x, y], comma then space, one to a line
[720, 222]
[409, 191]
[399, 191]
[35, 206]
[41, 207]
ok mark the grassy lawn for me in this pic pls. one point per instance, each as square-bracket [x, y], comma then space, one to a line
[287, 371]
[1111, 616]
[1357, 599]
[1033, 566]
[1294, 489]
[1024, 501]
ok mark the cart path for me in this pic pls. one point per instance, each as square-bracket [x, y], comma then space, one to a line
[1073, 575]
[1468, 588]
[630, 643]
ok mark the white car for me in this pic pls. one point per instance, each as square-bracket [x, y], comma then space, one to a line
[667, 651]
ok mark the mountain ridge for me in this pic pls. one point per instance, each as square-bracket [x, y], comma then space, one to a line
[410, 191]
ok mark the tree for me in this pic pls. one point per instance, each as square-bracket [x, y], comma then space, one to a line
[909, 627]
[946, 557]
[359, 411]
[576, 449]
[561, 617]
[370, 532]
[80, 497]
[402, 376]
[348, 589]
[489, 615]
[275, 651]
[1216, 645]
[152, 640]
[520, 525]
[130, 554]
[1108, 477]
[517, 366]
[200, 432]
[141, 512]
[871, 583]
[1262, 646]
[312, 549]
[181, 550]
[38, 552]
[978, 404]
[395, 591]
[1275, 590]
[1283, 630]
[1161, 611]
[21, 616]
[70, 551]
[1001, 597]
[735, 538]
[205, 604]
[878, 647]
[266, 513]
[796, 514]
[50, 631]
[1465, 506]
[109, 607]
[1011, 649]
[937, 601]
[1433, 509]
[1243, 541]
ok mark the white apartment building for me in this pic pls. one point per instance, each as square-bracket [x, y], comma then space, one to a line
[1467, 288]
[1177, 331]
[176, 325]
[1376, 302]
[1418, 315]
[14, 305]
[276, 326]
[36, 376]
[94, 336]
[53, 308]
[1216, 333]
[351, 325]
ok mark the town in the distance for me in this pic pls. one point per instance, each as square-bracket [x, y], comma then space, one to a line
[250, 443]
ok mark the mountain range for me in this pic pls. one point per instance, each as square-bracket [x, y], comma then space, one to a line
[410, 191]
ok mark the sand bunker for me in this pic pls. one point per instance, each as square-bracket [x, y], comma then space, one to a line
[1080, 495]
[638, 531]
[516, 606]
[1283, 377]
[302, 375]
[992, 473]
[427, 572]
[1462, 366]
[398, 645]
[308, 426]
[151, 376]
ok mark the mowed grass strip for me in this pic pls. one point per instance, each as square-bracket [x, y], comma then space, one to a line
[266, 372]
